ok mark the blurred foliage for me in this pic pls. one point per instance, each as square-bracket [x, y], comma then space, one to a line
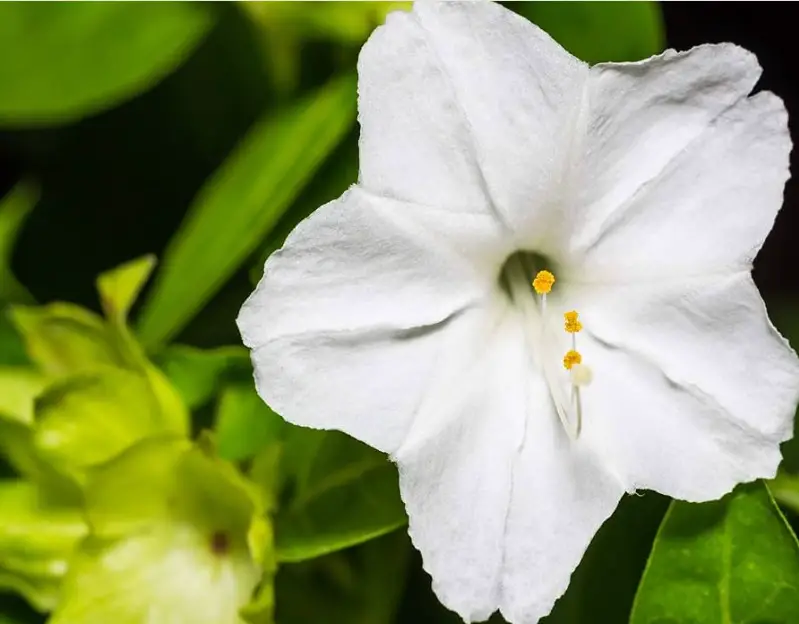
[201, 134]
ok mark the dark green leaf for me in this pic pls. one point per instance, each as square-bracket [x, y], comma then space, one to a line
[600, 31]
[733, 561]
[362, 585]
[14, 207]
[63, 60]
[344, 493]
[242, 203]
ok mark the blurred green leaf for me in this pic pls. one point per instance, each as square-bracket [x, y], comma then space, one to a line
[169, 536]
[37, 540]
[733, 560]
[63, 339]
[241, 204]
[600, 31]
[244, 423]
[347, 22]
[342, 493]
[362, 585]
[119, 287]
[87, 419]
[19, 387]
[14, 207]
[60, 61]
[198, 374]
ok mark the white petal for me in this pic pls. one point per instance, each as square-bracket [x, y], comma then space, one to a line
[456, 468]
[366, 262]
[645, 117]
[469, 106]
[562, 493]
[693, 389]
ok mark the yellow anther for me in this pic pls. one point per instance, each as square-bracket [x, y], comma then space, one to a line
[543, 282]
[572, 325]
[571, 358]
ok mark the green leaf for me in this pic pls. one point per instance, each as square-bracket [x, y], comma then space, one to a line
[347, 22]
[241, 204]
[14, 208]
[244, 423]
[600, 31]
[19, 387]
[343, 493]
[63, 339]
[37, 540]
[87, 419]
[198, 374]
[785, 488]
[730, 561]
[119, 287]
[12, 347]
[170, 535]
[61, 61]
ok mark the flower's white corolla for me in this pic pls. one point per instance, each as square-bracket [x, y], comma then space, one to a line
[403, 312]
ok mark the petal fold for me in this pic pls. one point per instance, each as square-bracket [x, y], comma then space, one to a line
[645, 118]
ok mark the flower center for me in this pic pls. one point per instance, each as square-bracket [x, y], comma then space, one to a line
[564, 388]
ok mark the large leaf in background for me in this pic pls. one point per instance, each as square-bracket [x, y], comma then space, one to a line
[36, 541]
[198, 374]
[341, 491]
[600, 31]
[60, 61]
[362, 585]
[242, 203]
[733, 560]
[14, 207]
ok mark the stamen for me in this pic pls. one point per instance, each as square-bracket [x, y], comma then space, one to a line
[571, 358]
[543, 282]
[572, 324]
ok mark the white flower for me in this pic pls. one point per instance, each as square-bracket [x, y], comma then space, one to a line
[402, 313]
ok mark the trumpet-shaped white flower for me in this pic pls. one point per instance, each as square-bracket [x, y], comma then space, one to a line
[403, 313]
